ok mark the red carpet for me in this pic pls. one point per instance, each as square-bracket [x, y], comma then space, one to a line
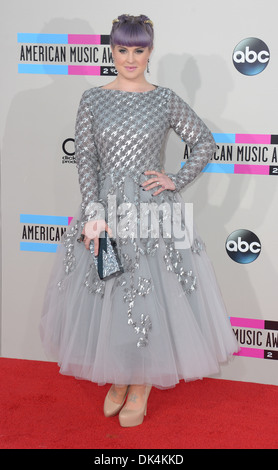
[41, 409]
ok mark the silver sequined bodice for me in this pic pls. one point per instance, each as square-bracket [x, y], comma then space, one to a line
[121, 133]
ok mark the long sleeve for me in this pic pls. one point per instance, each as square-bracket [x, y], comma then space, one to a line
[196, 135]
[86, 157]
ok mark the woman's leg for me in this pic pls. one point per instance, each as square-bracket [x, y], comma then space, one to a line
[117, 393]
[136, 397]
[132, 414]
[114, 400]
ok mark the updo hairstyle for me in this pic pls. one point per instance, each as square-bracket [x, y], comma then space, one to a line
[132, 31]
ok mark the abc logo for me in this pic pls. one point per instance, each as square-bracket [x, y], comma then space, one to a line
[243, 246]
[251, 56]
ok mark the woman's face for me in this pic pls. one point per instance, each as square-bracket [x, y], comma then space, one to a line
[131, 62]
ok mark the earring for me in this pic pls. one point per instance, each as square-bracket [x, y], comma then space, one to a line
[148, 68]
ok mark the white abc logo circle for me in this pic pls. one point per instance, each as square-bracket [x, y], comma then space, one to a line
[251, 56]
[243, 246]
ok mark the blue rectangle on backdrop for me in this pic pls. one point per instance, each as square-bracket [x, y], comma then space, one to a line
[41, 247]
[34, 38]
[221, 138]
[43, 69]
[43, 219]
[219, 168]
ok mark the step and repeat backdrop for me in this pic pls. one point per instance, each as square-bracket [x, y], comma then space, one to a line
[220, 57]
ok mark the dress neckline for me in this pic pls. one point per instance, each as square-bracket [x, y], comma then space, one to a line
[131, 92]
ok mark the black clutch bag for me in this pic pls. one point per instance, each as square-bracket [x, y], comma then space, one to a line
[107, 261]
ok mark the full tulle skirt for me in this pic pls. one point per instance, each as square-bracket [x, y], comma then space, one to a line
[161, 321]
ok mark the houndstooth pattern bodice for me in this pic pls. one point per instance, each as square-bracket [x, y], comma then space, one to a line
[121, 133]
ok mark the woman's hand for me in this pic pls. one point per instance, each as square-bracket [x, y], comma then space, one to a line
[92, 230]
[160, 180]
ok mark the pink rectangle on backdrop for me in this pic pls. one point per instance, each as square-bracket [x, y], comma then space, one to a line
[83, 70]
[247, 322]
[250, 352]
[253, 139]
[83, 38]
[251, 169]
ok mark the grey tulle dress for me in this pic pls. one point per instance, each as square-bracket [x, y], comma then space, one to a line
[163, 319]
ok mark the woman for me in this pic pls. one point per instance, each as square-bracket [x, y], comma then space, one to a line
[162, 319]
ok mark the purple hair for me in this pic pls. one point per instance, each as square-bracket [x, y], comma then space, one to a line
[132, 31]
